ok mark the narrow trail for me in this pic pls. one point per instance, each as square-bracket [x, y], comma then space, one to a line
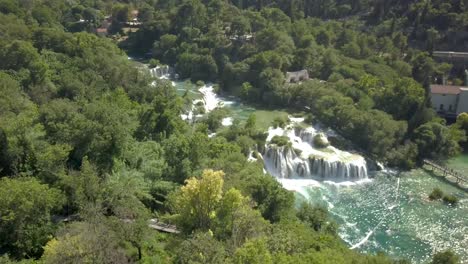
[366, 238]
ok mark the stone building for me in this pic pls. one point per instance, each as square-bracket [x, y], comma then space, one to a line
[298, 76]
[449, 100]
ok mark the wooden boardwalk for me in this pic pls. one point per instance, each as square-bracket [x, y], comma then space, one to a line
[157, 225]
[447, 172]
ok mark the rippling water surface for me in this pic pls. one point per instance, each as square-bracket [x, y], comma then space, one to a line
[396, 217]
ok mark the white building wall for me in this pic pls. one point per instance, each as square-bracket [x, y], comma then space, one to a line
[463, 101]
[446, 100]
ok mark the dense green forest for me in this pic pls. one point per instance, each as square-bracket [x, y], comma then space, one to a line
[371, 71]
[90, 150]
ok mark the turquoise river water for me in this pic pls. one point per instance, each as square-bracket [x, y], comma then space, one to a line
[389, 213]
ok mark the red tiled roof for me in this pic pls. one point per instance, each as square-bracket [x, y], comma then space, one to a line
[445, 89]
[101, 30]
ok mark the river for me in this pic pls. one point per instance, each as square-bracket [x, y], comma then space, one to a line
[385, 211]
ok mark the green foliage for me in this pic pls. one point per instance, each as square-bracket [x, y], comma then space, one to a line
[201, 248]
[153, 63]
[435, 141]
[26, 207]
[450, 199]
[196, 202]
[316, 218]
[274, 202]
[436, 194]
[445, 257]
[215, 118]
[254, 252]
[84, 241]
[280, 121]
[77, 115]
[280, 141]
[321, 141]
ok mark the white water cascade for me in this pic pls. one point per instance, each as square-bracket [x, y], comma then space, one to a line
[309, 156]
[210, 101]
[161, 72]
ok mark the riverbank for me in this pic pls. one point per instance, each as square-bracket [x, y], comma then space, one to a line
[384, 214]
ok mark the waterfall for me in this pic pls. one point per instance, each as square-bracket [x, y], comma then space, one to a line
[309, 156]
[161, 72]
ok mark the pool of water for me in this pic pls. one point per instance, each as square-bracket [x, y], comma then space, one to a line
[390, 213]
[460, 163]
[394, 215]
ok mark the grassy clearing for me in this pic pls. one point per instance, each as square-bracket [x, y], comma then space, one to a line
[265, 118]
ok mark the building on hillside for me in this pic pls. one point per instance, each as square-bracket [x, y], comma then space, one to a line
[449, 100]
[102, 32]
[133, 21]
[298, 76]
[103, 29]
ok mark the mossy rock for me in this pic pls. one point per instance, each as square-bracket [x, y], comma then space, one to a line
[321, 141]
[315, 157]
[297, 151]
[280, 141]
[298, 114]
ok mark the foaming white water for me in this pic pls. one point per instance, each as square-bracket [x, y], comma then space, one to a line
[227, 121]
[390, 208]
[188, 116]
[211, 100]
[251, 158]
[309, 155]
[161, 72]
[299, 185]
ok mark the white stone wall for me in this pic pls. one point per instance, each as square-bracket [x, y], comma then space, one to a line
[463, 101]
[446, 100]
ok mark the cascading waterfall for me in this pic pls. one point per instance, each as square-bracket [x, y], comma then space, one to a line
[161, 72]
[309, 155]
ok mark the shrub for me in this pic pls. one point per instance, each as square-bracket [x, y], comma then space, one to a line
[280, 141]
[321, 141]
[445, 257]
[309, 118]
[436, 194]
[200, 83]
[153, 63]
[450, 199]
[280, 122]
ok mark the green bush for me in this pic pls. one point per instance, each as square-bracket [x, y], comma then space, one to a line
[200, 83]
[321, 141]
[450, 199]
[153, 63]
[436, 194]
[280, 122]
[309, 118]
[280, 141]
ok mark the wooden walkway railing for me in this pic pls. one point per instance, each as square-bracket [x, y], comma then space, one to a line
[459, 177]
[155, 224]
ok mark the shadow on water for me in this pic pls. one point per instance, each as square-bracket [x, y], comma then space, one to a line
[445, 179]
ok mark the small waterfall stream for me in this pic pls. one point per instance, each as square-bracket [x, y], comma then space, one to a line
[161, 72]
